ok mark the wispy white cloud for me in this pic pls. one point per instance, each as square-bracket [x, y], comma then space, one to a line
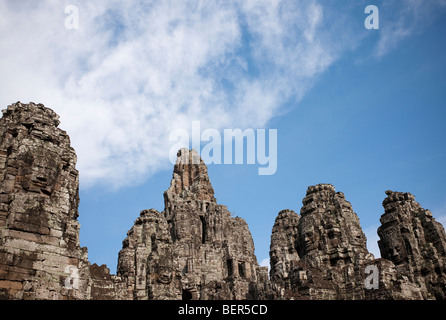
[400, 20]
[135, 70]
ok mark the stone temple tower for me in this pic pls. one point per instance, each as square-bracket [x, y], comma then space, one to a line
[194, 249]
[39, 196]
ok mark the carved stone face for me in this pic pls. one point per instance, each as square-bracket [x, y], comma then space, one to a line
[278, 271]
[393, 248]
[164, 270]
[164, 275]
[274, 255]
[309, 238]
[396, 251]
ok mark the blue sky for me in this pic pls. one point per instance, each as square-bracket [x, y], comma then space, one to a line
[361, 109]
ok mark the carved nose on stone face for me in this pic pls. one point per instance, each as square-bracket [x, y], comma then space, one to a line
[395, 254]
[307, 242]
